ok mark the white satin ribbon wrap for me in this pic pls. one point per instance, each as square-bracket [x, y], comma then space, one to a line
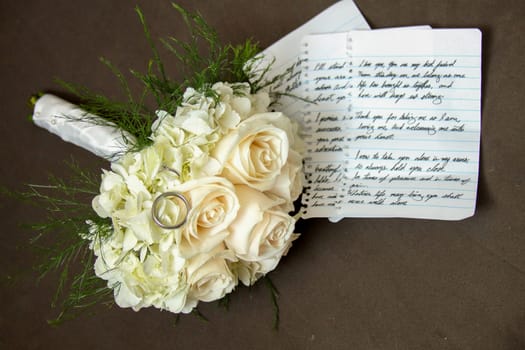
[65, 120]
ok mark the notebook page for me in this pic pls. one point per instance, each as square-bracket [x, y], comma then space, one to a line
[285, 53]
[333, 121]
[414, 124]
[327, 77]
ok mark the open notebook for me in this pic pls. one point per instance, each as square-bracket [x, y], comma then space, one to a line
[394, 127]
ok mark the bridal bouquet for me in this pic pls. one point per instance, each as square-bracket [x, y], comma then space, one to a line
[202, 208]
[200, 196]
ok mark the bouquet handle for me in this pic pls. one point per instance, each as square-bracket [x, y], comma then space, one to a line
[83, 129]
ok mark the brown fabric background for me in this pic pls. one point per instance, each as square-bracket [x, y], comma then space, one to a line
[358, 284]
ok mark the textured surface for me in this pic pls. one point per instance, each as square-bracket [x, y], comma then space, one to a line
[359, 284]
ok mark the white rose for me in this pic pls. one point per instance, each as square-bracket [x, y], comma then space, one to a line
[261, 230]
[250, 271]
[214, 205]
[254, 153]
[209, 276]
[289, 183]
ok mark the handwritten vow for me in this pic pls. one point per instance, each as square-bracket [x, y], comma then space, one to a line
[283, 58]
[395, 128]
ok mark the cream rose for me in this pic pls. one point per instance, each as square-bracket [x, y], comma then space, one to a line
[289, 183]
[209, 276]
[254, 153]
[261, 230]
[214, 205]
[250, 271]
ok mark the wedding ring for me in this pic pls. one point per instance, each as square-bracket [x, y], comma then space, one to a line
[165, 167]
[155, 214]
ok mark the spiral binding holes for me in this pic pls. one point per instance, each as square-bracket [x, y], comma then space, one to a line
[307, 129]
[305, 64]
[349, 45]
